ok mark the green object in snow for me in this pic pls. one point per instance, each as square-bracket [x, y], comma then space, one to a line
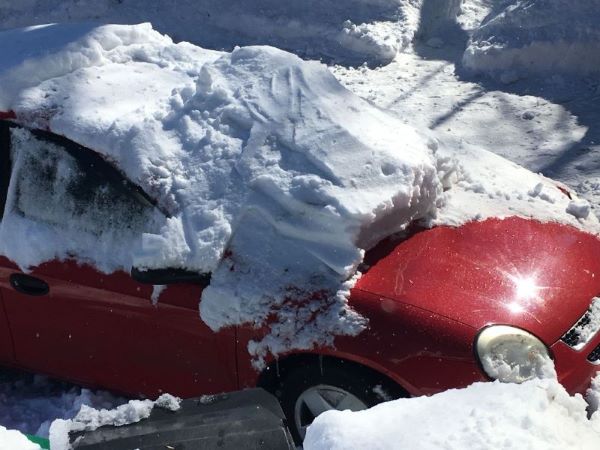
[42, 442]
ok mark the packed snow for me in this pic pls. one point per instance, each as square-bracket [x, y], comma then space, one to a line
[537, 415]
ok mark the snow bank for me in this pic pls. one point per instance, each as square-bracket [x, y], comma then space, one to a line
[274, 177]
[537, 414]
[348, 32]
[89, 419]
[537, 36]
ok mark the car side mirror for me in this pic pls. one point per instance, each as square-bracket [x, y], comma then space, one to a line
[169, 276]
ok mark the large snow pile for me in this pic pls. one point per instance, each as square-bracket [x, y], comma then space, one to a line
[349, 32]
[537, 415]
[537, 36]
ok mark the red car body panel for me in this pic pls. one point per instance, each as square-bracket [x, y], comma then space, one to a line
[103, 330]
[537, 276]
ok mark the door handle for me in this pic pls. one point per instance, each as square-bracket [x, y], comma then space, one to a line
[26, 284]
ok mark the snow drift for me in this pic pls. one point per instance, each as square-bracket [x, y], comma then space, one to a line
[348, 32]
[537, 36]
[537, 414]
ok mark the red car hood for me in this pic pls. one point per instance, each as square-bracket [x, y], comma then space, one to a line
[537, 276]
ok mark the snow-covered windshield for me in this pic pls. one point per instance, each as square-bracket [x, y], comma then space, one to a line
[52, 186]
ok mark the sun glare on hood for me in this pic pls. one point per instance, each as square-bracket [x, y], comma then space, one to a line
[526, 290]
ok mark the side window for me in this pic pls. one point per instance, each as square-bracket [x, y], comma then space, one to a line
[51, 185]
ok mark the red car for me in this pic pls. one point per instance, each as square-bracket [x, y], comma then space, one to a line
[440, 302]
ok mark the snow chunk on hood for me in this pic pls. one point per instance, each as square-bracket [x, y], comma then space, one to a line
[274, 177]
[538, 414]
[537, 36]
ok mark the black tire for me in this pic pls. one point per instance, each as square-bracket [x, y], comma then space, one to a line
[366, 385]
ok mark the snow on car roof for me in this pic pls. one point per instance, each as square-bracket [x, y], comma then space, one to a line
[275, 177]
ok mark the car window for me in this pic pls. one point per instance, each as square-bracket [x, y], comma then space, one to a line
[54, 186]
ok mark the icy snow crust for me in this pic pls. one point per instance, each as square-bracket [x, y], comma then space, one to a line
[273, 176]
[537, 415]
[537, 36]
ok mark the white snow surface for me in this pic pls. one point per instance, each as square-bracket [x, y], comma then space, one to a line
[274, 177]
[537, 415]
[348, 32]
[537, 36]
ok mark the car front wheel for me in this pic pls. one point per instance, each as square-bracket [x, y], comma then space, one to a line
[305, 392]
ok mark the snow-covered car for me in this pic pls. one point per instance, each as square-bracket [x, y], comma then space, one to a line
[141, 178]
[445, 306]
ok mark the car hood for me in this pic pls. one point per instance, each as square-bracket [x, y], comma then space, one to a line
[537, 276]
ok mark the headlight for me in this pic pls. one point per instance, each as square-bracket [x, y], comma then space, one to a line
[512, 355]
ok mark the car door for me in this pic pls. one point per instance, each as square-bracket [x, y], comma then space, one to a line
[71, 320]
